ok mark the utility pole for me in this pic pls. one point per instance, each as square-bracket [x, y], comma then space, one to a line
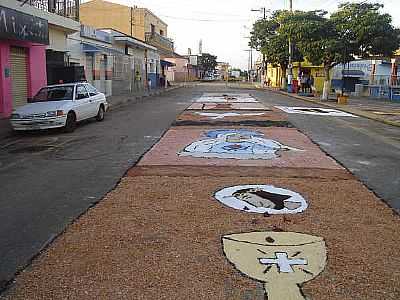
[264, 65]
[290, 66]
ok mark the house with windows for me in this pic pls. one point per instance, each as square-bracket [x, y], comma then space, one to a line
[136, 22]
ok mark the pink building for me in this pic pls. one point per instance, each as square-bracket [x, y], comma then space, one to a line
[178, 72]
[30, 39]
[24, 60]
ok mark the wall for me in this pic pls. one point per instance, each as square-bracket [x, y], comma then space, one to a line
[57, 39]
[103, 14]
[36, 72]
[179, 72]
[143, 18]
[274, 74]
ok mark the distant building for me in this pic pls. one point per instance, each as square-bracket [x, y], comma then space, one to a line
[137, 22]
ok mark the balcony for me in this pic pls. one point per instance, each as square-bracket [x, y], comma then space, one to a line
[159, 41]
[66, 8]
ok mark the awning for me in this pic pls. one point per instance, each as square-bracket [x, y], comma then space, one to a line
[165, 63]
[90, 48]
[353, 73]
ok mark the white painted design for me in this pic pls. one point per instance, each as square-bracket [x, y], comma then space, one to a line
[216, 116]
[262, 199]
[235, 144]
[226, 98]
[283, 263]
[317, 111]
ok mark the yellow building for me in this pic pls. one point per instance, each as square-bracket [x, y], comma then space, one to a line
[275, 74]
[138, 22]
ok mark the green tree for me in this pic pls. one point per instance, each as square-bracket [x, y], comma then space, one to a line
[208, 62]
[356, 30]
[317, 39]
[371, 32]
[265, 37]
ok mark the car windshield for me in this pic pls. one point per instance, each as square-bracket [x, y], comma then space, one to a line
[57, 93]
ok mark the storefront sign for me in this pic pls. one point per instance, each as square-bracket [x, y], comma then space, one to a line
[16, 25]
[93, 33]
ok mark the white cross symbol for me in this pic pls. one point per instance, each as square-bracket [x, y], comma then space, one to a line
[283, 262]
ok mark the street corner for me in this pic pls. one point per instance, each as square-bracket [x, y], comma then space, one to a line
[249, 118]
[148, 223]
[228, 106]
[237, 146]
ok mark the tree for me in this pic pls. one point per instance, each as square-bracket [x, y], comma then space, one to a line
[317, 39]
[265, 37]
[372, 33]
[208, 62]
[355, 30]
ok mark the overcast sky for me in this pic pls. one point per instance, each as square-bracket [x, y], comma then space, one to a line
[223, 25]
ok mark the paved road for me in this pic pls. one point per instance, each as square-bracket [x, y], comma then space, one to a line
[49, 179]
[369, 149]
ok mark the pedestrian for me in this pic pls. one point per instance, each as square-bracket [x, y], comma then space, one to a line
[304, 83]
[311, 83]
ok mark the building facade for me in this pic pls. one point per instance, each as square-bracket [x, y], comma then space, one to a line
[137, 22]
[33, 41]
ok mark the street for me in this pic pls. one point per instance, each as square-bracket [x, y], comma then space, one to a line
[156, 210]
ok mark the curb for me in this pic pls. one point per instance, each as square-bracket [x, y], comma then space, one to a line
[133, 98]
[345, 109]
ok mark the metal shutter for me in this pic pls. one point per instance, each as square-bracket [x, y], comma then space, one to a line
[19, 70]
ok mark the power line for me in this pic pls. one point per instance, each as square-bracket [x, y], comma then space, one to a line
[206, 20]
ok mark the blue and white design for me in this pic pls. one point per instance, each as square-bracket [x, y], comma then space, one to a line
[235, 144]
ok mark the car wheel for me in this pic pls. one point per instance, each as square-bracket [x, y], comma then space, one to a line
[70, 124]
[100, 114]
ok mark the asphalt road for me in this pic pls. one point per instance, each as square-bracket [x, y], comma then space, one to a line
[48, 179]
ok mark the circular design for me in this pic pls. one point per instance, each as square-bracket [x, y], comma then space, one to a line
[262, 199]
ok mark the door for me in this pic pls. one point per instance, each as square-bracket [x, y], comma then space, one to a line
[19, 75]
[95, 99]
[89, 68]
[82, 104]
[103, 67]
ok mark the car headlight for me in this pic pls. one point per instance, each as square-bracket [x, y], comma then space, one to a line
[15, 116]
[51, 114]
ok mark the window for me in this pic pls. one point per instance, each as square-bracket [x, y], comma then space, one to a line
[54, 94]
[162, 32]
[92, 90]
[153, 28]
[81, 92]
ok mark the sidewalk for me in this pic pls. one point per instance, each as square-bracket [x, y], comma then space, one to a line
[384, 111]
[115, 101]
[5, 128]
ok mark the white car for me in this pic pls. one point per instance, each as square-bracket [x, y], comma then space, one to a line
[61, 105]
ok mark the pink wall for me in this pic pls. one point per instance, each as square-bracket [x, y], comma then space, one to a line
[36, 72]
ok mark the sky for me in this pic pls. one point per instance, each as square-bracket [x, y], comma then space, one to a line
[224, 25]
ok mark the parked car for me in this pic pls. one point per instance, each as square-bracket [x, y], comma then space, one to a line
[61, 105]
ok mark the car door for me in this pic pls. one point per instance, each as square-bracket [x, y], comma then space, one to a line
[82, 103]
[96, 98]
